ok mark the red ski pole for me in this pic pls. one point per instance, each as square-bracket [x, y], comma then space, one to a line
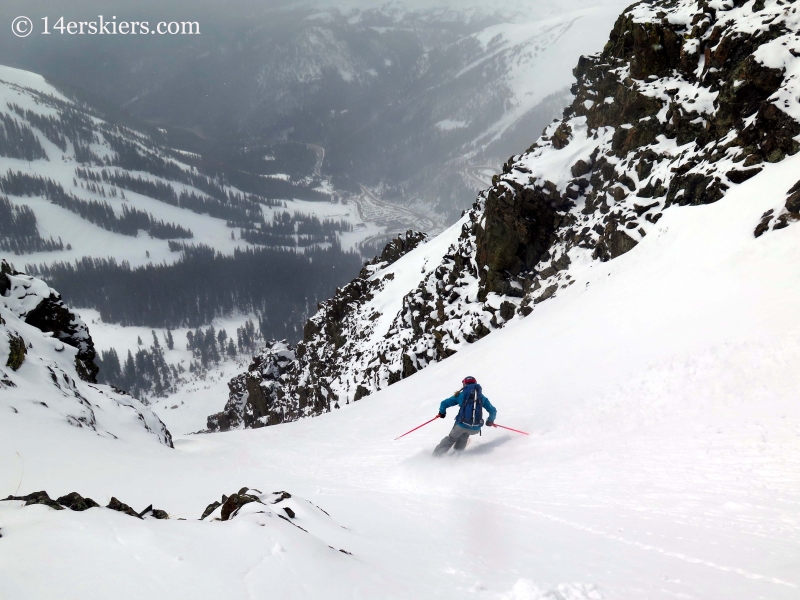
[415, 428]
[509, 428]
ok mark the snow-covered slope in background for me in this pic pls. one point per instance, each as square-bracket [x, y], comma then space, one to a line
[95, 159]
[663, 461]
[463, 84]
[105, 210]
[526, 50]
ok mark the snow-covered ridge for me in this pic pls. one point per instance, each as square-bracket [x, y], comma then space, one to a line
[46, 368]
[684, 103]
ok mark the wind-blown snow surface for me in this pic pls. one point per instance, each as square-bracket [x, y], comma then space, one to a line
[663, 461]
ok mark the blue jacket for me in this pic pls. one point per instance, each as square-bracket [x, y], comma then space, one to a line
[458, 400]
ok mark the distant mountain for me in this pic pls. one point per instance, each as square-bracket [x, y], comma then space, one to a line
[686, 102]
[419, 104]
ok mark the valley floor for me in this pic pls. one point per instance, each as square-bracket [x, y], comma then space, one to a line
[660, 391]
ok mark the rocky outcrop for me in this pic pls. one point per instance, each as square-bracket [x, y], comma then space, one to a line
[229, 506]
[17, 349]
[224, 510]
[41, 306]
[256, 396]
[687, 99]
[783, 217]
[74, 501]
[678, 107]
[118, 506]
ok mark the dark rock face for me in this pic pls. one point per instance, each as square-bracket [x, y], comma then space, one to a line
[52, 316]
[234, 503]
[520, 225]
[737, 176]
[17, 352]
[256, 396]
[677, 109]
[5, 283]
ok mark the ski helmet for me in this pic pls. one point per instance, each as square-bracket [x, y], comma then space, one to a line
[469, 380]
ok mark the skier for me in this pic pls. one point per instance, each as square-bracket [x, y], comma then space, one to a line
[469, 419]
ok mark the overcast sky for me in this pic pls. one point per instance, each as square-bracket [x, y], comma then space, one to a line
[231, 8]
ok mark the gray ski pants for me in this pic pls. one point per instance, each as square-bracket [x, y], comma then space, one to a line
[458, 435]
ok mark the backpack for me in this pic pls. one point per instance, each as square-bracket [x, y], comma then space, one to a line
[471, 413]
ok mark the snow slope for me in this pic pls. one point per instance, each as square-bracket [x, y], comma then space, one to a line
[539, 53]
[663, 461]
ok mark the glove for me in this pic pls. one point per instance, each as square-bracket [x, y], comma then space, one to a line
[442, 415]
[490, 423]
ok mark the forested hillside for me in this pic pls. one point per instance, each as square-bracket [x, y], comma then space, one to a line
[155, 236]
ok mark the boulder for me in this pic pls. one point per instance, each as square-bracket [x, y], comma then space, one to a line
[115, 504]
[74, 501]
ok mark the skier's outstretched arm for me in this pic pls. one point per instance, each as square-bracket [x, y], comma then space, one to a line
[491, 410]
